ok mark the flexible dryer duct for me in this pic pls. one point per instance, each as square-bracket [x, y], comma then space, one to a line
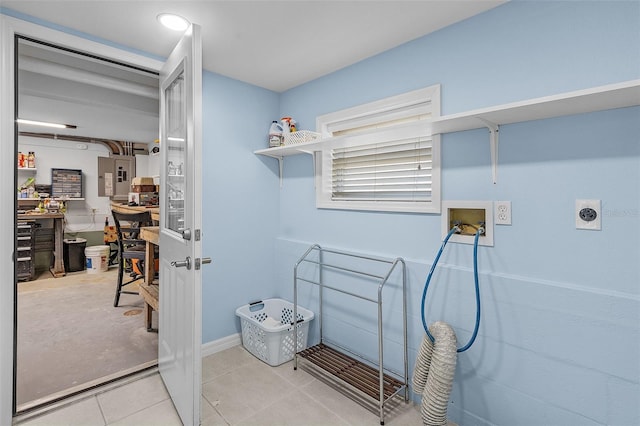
[434, 371]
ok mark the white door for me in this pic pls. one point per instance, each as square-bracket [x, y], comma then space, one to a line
[180, 224]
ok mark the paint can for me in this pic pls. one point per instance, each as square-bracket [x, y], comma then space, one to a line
[97, 259]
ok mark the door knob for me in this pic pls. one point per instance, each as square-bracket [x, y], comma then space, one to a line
[182, 263]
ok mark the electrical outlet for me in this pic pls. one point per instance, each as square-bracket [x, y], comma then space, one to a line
[588, 215]
[502, 211]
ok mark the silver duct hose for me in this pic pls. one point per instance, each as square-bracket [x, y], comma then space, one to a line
[433, 373]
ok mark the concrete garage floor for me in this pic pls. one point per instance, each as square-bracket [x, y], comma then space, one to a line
[70, 335]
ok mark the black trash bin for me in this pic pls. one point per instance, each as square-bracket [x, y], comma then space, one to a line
[73, 254]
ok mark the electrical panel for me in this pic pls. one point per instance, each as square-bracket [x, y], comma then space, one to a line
[114, 176]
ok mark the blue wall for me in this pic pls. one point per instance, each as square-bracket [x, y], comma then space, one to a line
[560, 334]
[240, 200]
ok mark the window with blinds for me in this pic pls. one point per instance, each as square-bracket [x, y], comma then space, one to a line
[382, 161]
[389, 171]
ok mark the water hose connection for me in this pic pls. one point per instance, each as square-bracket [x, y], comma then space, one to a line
[480, 230]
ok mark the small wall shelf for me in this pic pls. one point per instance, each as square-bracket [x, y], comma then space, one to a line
[27, 169]
[280, 152]
[286, 150]
[601, 98]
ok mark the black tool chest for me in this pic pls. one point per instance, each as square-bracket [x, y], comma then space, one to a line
[25, 250]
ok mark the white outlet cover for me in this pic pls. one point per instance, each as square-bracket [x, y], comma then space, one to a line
[502, 212]
[591, 219]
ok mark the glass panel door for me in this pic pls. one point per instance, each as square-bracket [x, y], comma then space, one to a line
[176, 154]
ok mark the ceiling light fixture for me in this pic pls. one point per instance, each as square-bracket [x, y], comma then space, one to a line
[173, 22]
[46, 124]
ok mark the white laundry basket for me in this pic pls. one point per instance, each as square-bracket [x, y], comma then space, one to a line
[267, 329]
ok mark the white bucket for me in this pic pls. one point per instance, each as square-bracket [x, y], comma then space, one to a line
[97, 259]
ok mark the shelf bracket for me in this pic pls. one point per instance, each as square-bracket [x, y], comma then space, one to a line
[280, 160]
[493, 144]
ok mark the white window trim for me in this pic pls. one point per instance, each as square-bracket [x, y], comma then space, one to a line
[423, 103]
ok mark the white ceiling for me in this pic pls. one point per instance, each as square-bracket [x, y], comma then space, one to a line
[272, 44]
[102, 99]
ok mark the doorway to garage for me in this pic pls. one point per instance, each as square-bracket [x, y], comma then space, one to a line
[68, 335]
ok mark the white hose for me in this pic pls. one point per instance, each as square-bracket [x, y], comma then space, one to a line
[433, 373]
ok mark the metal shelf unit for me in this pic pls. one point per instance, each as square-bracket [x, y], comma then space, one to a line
[365, 379]
[25, 250]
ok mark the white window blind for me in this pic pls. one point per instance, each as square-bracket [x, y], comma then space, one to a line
[391, 171]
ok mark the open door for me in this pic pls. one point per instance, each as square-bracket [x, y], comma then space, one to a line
[179, 325]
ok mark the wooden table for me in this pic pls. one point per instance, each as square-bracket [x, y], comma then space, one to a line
[151, 296]
[151, 234]
[149, 291]
[58, 224]
[124, 208]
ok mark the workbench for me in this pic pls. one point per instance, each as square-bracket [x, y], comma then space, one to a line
[149, 291]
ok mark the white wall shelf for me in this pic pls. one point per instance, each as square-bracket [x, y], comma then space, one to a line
[286, 150]
[27, 169]
[601, 98]
[618, 95]
[612, 96]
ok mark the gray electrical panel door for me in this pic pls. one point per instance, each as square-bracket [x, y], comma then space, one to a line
[114, 176]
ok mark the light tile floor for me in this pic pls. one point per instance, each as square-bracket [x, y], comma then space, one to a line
[237, 389]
